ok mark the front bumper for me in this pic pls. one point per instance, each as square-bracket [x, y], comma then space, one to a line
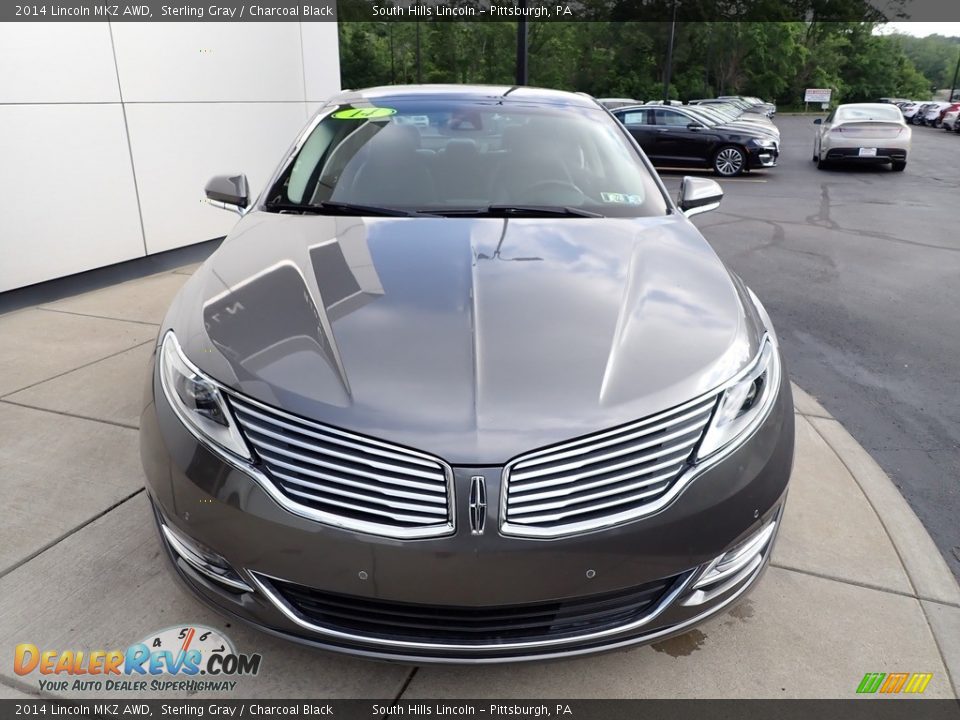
[221, 508]
[763, 157]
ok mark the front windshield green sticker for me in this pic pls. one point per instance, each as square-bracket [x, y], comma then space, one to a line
[368, 113]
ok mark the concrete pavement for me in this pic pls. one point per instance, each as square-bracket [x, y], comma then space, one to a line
[856, 585]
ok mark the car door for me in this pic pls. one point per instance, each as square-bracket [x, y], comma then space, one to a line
[822, 130]
[639, 123]
[677, 142]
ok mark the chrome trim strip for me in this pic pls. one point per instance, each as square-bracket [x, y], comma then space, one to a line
[509, 529]
[197, 562]
[291, 614]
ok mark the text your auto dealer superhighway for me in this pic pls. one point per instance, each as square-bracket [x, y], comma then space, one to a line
[243, 11]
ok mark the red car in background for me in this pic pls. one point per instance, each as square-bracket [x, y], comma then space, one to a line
[949, 108]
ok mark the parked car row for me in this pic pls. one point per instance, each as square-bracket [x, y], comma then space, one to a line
[931, 113]
[742, 103]
[730, 136]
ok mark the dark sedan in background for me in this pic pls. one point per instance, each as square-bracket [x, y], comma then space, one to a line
[465, 384]
[675, 136]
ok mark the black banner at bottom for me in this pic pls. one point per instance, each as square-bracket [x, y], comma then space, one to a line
[873, 708]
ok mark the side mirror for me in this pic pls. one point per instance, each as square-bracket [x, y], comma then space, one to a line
[694, 126]
[818, 121]
[699, 195]
[229, 192]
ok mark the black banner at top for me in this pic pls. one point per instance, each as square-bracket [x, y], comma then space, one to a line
[481, 10]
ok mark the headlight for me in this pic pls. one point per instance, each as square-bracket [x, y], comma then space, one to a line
[197, 400]
[745, 402]
[765, 143]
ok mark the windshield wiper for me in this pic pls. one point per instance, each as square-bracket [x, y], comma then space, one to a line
[503, 210]
[332, 207]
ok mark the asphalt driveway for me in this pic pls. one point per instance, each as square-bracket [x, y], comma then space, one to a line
[859, 268]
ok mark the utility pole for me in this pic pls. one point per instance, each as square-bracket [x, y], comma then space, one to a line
[393, 64]
[419, 67]
[522, 76]
[666, 75]
[953, 86]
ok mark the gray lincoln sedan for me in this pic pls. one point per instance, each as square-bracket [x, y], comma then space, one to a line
[465, 384]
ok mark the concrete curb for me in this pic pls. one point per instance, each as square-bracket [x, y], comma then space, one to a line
[934, 584]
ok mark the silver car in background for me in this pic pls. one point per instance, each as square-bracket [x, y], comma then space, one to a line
[862, 133]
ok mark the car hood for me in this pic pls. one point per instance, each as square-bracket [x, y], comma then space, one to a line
[473, 339]
[749, 129]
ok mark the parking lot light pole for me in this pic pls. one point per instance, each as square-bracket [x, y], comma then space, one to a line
[522, 76]
[419, 65]
[953, 86]
[666, 74]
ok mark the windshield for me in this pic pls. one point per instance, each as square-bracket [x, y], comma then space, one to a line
[461, 156]
[868, 112]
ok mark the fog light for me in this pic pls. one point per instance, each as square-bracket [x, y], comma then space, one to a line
[203, 560]
[733, 567]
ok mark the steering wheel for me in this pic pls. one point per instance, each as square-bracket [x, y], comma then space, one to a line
[534, 193]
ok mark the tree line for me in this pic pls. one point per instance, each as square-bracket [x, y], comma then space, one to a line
[772, 60]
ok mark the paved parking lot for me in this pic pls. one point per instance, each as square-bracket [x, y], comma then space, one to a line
[859, 268]
[856, 585]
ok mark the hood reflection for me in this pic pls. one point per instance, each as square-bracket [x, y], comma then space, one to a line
[297, 339]
[431, 332]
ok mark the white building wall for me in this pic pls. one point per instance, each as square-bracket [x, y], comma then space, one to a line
[108, 132]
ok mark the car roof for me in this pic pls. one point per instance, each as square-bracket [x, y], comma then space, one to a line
[465, 92]
[864, 106]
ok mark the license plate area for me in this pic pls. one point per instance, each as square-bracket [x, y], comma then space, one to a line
[868, 152]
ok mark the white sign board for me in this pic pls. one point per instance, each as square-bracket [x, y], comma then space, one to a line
[817, 95]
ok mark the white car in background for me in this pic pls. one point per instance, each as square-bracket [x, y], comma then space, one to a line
[932, 115]
[862, 132]
[950, 121]
[910, 109]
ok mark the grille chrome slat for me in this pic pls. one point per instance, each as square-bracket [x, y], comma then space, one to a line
[642, 431]
[258, 428]
[346, 480]
[548, 517]
[419, 519]
[399, 505]
[551, 505]
[676, 457]
[656, 442]
[575, 488]
[271, 448]
[608, 478]
[438, 500]
[325, 434]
